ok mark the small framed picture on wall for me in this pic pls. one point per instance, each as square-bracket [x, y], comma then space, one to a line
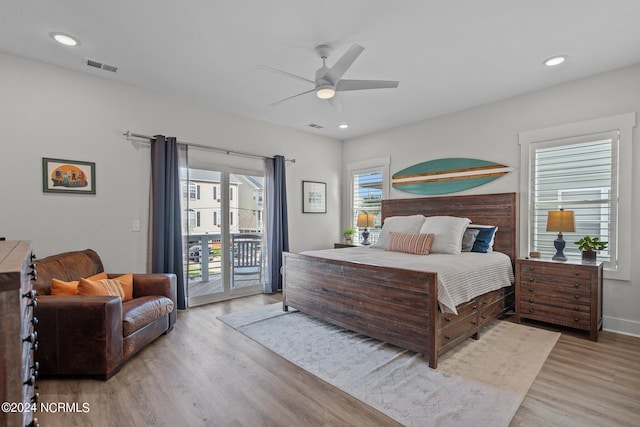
[68, 176]
[314, 197]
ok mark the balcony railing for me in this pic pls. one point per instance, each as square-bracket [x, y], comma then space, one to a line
[205, 256]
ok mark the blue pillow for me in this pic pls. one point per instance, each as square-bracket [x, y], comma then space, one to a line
[484, 239]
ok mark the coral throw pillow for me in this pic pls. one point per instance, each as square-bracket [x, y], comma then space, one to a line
[412, 243]
[60, 287]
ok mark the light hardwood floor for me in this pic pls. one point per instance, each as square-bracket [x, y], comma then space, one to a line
[204, 373]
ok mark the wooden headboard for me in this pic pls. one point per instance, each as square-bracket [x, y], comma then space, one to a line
[483, 209]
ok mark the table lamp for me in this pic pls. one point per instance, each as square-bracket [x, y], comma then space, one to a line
[560, 221]
[365, 220]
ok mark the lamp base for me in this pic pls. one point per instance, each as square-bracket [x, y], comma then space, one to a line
[559, 244]
[365, 237]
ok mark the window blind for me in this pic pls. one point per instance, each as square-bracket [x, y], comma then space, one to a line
[367, 198]
[578, 174]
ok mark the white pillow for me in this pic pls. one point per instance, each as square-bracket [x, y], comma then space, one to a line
[398, 224]
[447, 233]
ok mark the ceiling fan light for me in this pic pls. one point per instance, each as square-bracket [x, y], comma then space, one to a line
[325, 91]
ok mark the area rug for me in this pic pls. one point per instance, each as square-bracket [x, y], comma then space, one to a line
[480, 382]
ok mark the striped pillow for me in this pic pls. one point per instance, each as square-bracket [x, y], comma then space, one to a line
[412, 243]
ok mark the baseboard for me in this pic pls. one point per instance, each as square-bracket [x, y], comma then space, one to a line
[622, 326]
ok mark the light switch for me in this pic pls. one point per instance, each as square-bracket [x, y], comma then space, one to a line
[135, 225]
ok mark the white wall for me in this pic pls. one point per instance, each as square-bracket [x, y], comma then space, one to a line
[490, 132]
[47, 111]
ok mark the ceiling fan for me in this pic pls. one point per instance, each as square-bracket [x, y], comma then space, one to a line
[328, 81]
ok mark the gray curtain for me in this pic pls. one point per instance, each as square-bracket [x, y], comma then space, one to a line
[166, 224]
[277, 229]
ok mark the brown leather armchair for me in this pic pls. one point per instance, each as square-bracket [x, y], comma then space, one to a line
[95, 335]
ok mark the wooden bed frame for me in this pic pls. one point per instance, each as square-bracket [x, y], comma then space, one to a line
[401, 306]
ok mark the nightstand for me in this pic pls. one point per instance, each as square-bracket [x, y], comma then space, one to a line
[564, 293]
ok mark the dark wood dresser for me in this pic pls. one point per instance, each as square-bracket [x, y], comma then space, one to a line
[18, 338]
[563, 293]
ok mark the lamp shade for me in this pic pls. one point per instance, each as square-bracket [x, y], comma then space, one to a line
[561, 221]
[365, 220]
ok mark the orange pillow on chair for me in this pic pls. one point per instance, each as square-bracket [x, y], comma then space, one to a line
[111, 287]
[121, 286]
[60, 287]
[126, 280]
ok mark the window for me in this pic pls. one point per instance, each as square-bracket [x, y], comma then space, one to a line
[577, 174]
[367, 189]
[192, 218]
[192, 191]
[584, 167]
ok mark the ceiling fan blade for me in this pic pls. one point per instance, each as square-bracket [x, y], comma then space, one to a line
[339, 68]
[335, 103]
[284, 73]
[275, 104]
[344, 85]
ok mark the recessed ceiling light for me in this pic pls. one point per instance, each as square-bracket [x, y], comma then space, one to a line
[64, 39]
[555, 60]
[343, 125]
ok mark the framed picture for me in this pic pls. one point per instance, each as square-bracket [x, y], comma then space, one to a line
[68, 176]
[314, 197]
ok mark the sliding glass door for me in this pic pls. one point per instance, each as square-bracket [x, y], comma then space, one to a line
[225, 234]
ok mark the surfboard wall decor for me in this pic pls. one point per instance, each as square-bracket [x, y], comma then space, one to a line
[443, 176]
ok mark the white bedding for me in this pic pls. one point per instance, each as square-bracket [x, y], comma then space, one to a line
[461, 277]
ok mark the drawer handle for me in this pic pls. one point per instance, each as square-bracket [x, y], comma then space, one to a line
[31, 380]
[32, 337]
[530, 300]
[31, 294]
[475, 307]
[447, 338]
[474, 323]
[576, 319]
[483, 316]
[35, 366]
[576, 308]
[33, 303]
[530, 289]
[531, 279]
[447, 319]
[34, 346]
[577, 273]
[33, 256]
[484, 302]
[34, 321]
[35, 398]
[531, 310]
[530, 268]
[577, 285]
[576, 296]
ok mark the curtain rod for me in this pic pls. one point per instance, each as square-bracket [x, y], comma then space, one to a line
[129, 135]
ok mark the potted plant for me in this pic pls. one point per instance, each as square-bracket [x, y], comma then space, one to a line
[348, 234]
[589, 246]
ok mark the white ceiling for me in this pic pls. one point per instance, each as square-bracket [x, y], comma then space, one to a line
[447, 55]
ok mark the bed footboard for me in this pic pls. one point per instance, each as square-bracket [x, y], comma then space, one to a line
[393, 305]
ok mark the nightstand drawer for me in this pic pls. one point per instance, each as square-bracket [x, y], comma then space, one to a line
[578, 283]
[552, 293]
[557, 315]
[559, 271]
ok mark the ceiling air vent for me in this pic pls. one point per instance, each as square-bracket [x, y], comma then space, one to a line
[315, 126]
[99, 65]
